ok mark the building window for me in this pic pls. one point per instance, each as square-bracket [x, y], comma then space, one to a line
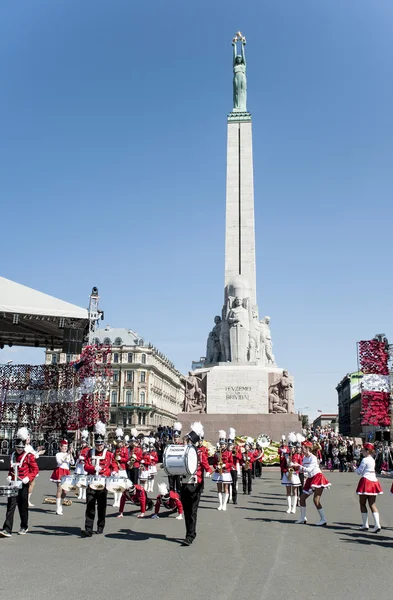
[142, 398]
[118, 341]
[54, 359]
[68, 358]
[141, 418]
[113, 418]
[97, 341]
[143, 377]
[130, 357]
[107, 341]
[128, 398]
[143, 359]
[130, 376]
[114, 399]
[115, 375]
[124, 420]
[116, 357]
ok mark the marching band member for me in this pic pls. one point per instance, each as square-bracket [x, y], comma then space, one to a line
[298, 457]
[121, 457]
[201, 449]
[246, 464]
[222, 462]
[290, 476]
[368, 488]
[191, 489]
[134, 456]
[136, 494]
[145, 464]
[153, 462]
[80, 461]
[236, 458]
[283, 449]
[315, 484]
[24, 434]
[99, 461]
[24, 468]
[169, 499]
[64, 459]
[174, 481]
[258, 458]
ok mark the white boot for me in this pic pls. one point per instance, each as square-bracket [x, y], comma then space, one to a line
[116, 502]
[377, 523]
[152, 485]
[220, 501]
[224, 504]
[303, 518]
[323, 520]
[59, 508]
[30, 504]
[80, 495]
[230, 492]
[289, 504]
[364, 526]
[84, 494]
[294, 504]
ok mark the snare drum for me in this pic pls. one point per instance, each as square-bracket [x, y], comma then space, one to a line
[8, 491]
[81, 481]
[180, 460]
[96, 482]
[68, 483]
[116, 484]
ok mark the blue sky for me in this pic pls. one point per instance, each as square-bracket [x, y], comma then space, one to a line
[112, 168]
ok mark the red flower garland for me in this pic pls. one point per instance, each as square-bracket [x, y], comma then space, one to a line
[373, 359]
[376, 408]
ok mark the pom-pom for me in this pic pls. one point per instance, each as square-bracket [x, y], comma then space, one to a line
[300, 438]
[162, 489]
[119, 432]
[134, 432]
[22, 433]
[177, 427]
[152, 440]
[222, 435]
[126, 439]
[283, 438]
[197, 428]
[145, 441]
[232, 433]
[292, 437]
[84, 434]
[249, 441]
[100, 428]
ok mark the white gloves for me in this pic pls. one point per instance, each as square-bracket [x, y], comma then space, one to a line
[154, 517]
[25, 480]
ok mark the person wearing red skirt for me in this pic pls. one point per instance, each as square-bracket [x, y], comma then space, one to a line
[64, 459]
[368, 488]
[316, 482]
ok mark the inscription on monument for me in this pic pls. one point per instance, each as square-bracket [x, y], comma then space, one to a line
[238, 392]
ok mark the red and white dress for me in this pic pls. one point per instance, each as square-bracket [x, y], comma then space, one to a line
[315, 478]
[368, 484]
[227, 465]
[63, 466]
[153, 462]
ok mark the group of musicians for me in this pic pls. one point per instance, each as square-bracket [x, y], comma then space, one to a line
[182, 496]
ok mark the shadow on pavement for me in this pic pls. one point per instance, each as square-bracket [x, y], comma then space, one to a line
[283, 521]
[140, 536]
[367, 539]
[56, 530]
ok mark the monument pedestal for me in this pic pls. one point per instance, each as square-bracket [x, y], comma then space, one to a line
[245, 424]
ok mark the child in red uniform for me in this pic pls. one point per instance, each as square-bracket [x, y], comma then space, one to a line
[137, 495]
[169, 499]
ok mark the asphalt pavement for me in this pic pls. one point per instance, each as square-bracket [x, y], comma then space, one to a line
[252, 551]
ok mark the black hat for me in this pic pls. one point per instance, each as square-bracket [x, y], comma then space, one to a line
[19, 443]
[196, 433]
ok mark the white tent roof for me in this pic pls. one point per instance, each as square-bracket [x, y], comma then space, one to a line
[20, 299]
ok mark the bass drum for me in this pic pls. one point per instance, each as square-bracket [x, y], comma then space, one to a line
[180, 460]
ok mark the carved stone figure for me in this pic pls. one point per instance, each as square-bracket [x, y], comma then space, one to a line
[267, 356]
[276, 404]
[225, 340]
[239, 75]
[213, 347]
[285, 390]
[195, 398]
[255, 335]
[239, 329]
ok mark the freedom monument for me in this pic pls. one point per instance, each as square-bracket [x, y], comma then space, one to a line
[240, 384]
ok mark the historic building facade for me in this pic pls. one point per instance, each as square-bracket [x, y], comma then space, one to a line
[146, 390]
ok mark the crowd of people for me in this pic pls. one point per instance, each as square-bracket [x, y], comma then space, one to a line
[129, 467]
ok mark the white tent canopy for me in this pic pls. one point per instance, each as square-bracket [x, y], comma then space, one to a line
[31, 318]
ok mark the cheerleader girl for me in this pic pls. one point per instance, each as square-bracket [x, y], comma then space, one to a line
[223, 463]
[64, 459]
[121, 457]
[80, 461]
[315, 484]
[368, 488]
[290, 476]
[145, 464]
[152, 469]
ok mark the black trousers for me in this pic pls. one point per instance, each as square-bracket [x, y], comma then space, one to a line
[22, 501]
[133, 474]
[247, 480]
[234, 482]
[190, 495]
[253, 470]
[94, 497]
[258, 469]
[174, 482]
[301, 477]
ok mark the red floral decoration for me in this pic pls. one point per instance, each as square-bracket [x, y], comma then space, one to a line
[373, 359]
[376, 409]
